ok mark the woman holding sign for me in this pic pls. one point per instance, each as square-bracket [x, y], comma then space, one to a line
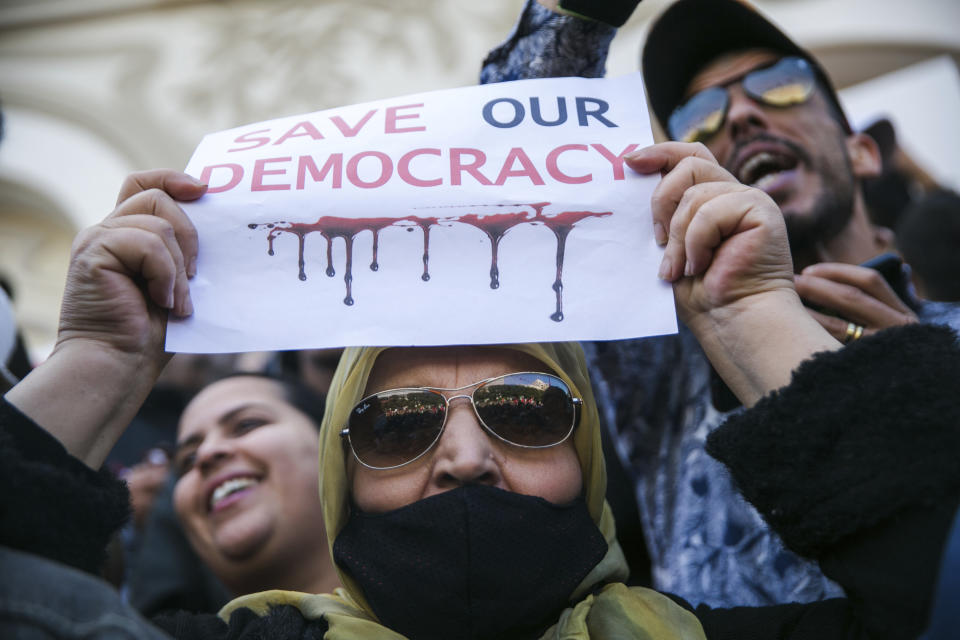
[463, 487]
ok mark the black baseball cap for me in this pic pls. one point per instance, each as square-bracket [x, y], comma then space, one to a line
[690, 34]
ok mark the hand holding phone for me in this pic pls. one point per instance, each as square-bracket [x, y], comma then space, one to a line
[843, 297]
[890, 266]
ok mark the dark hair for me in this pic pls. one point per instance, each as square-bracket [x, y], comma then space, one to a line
[928, 236]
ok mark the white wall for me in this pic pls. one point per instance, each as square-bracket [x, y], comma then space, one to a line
[923, 103]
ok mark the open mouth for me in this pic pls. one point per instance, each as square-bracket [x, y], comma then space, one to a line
[229, 488]
[763, 168]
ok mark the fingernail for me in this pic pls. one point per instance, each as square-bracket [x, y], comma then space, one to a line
[169, 303]
[665, 269]
[197, 182]
[187, 306]
[659, 233]
[688, 268]
[192, 267]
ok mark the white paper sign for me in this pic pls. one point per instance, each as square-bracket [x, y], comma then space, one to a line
[488, 214]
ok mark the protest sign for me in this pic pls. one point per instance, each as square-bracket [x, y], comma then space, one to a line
[488, 214]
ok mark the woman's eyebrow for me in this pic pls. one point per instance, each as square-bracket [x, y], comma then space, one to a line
[197, 438]
[412, 383]
[192, 441]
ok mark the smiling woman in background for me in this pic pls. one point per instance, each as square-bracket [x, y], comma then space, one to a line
[246, 493]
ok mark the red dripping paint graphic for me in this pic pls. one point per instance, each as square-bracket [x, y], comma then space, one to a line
[495, 226]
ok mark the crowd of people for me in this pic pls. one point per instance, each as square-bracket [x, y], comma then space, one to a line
[790, 453]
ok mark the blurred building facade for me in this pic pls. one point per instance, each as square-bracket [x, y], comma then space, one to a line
[94, 89]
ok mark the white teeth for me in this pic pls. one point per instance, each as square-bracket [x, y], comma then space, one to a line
[763, 182]
[746, 171]
[230, 486]
[763, 168]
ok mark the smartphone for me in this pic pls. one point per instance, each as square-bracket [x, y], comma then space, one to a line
[890, 266]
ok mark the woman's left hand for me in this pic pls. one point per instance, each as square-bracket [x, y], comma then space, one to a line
[729, 261]
[730, 238]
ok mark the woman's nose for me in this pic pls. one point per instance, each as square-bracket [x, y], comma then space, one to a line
[213, 451]
[465, 453]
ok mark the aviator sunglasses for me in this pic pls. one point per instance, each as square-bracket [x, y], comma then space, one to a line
[391, 428]
[788, 82]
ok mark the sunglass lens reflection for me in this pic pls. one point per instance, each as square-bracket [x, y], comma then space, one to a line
[527, 409]
[395, 427]
[786, 83]
[699, 117]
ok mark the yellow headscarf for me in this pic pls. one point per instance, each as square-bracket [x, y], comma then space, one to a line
[615, 611]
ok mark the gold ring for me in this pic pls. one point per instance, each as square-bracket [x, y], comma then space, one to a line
[854, 332]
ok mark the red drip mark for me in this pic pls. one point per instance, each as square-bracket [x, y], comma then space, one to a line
[348, 271]
[270, 236]
[561, 225]
[374, 265]
[303, 274]
[425, 224]
[495, 226]
[330, 227]
[330, 271]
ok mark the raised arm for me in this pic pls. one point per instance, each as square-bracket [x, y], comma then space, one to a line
[728, 259]
[125, 275]
[548, 42]
[853, 467]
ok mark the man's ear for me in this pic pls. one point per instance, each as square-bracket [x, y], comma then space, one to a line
[864, 155]
[884, 239]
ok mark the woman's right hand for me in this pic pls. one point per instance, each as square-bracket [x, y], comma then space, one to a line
[125, 274]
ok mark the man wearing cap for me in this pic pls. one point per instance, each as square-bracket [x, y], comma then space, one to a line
[719, 73]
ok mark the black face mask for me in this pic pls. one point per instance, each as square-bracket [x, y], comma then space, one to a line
[475, 562]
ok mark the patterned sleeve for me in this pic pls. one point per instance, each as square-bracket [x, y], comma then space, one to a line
[545, 44]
